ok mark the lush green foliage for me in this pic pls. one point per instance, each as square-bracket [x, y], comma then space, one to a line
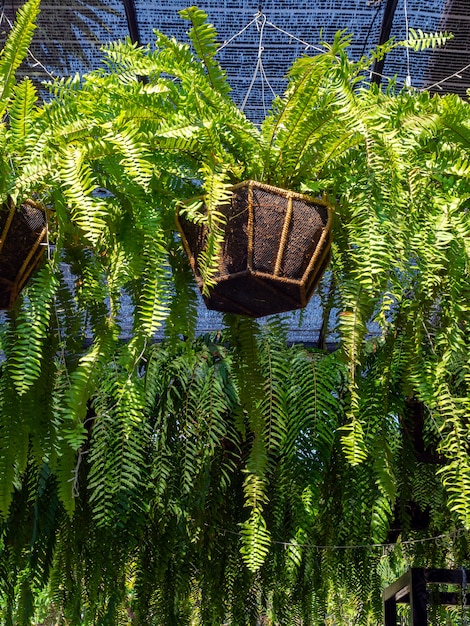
[219, 479]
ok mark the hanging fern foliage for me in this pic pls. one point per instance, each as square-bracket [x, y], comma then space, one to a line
[233, 478]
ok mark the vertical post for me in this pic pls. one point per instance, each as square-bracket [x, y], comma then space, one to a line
[390, 612]
[385, 31]
[418, 597]
[132, 23]
[393, 594]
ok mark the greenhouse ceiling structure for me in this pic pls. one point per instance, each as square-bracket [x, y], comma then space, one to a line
[259, 39]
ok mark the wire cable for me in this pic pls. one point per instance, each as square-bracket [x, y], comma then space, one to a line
[444, 80]
[260, 24]
[36, 63]
[439, 540]
[307, 45]
[407, 31]
[229, 41]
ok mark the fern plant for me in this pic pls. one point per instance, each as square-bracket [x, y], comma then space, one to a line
[233, 477]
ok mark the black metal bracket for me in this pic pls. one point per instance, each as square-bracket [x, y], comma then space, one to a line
[412, 589]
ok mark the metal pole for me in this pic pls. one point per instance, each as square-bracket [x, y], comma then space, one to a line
[385, 30]
[132, 23]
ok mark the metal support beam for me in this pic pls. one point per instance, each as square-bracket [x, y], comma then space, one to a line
[132, 22]
[412, 589]
[385, 30]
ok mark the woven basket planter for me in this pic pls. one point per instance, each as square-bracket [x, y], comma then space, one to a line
[22, 231]
[276, 248]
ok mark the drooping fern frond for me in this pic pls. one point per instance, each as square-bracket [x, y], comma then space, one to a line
[31, 327]
[84, 380]
[16, 49]
[14, 441]
[217, 187]
[79, 181]
[153, 299]
[118, 448]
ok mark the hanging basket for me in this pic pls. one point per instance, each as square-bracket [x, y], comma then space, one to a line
[276, 248]
[22, 230]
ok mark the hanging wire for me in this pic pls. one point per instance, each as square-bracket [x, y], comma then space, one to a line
[407, 31]
[437, 540]
[308, 46]
[444, 80]
[260, 24]
[388, 78]
[266, 80]
[229, 41]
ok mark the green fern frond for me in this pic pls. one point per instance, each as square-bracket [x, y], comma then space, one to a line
[202, 36]
[352, 322]
[16, 48]
[83, 382]
[88, 212]
[353, 442]
[134, 153]
[419, 40]
[31, 328]
[21, 115]
[123, 56]
[275, 407]
[14, 439]
[118, 450]
[256, 541]
[306, 79]
[152, 305]
[218, 192]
